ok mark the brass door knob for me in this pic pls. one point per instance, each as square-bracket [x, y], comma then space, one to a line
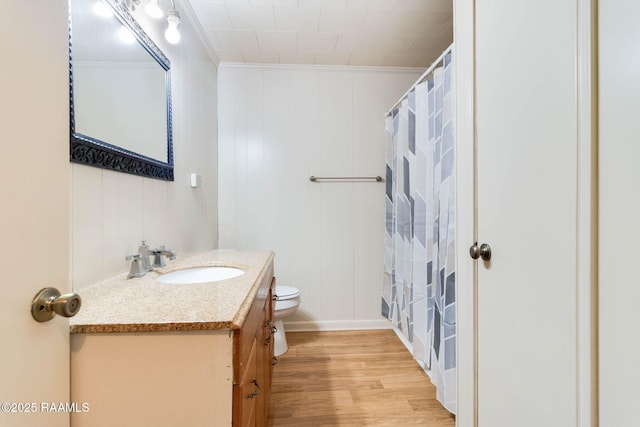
[483, 251]
[48, 302]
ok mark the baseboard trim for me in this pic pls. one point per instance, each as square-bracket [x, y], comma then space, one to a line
[404, 340]
[337, 325]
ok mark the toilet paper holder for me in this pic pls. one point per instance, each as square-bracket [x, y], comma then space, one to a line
[48, 302]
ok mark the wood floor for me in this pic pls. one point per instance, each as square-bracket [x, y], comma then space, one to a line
[352, 378]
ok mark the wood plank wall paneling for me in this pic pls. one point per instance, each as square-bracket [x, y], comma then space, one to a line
[278, 125]
[112, 212]
[352, 378]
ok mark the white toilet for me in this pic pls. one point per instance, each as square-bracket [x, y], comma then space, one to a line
[287, 300]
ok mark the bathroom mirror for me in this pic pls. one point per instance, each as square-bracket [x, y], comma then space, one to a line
[120, 92]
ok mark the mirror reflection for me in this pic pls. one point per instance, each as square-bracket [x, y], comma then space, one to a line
[120, 99]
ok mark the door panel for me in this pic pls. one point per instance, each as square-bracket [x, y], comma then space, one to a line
[619, 212]
[34, 189]
[526, 202]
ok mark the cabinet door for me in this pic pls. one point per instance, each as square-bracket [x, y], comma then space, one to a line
[264, 359]
[249, 390]
[263, 337]
[252, 362]
[526, 211]
[270, 358]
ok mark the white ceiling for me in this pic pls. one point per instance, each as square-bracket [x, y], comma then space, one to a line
[389, 33]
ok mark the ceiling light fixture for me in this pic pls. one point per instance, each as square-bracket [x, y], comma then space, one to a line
[129, 4]
[153, 9]
[173, 19]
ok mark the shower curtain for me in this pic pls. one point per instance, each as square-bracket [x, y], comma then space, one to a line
[419, 272]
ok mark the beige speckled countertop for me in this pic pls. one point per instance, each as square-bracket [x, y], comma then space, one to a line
[144, 305]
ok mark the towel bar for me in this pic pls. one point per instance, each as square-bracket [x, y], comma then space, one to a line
[345, 178]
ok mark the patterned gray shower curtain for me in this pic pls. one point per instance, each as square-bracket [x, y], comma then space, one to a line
[419, 273]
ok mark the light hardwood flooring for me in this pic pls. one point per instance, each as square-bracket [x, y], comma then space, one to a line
[352, 378]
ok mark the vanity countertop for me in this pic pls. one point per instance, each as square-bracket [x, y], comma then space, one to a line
[142, 304]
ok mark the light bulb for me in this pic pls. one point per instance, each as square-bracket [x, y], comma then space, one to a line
[153, 9]
[172, 34]
[101, 9]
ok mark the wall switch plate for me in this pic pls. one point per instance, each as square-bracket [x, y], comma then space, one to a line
[196, 180]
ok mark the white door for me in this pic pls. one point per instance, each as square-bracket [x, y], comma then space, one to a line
[34, 197]
[526, 121]
[619, 212]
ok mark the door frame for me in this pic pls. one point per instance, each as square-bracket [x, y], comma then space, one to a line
[466, 274]
[586, 285]
[587, 210]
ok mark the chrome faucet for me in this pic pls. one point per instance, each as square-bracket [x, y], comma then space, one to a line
[158, 260]
[140, 263]
[143, 251]
[137, 270]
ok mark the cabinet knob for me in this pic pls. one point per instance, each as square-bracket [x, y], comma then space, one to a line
[256, 391]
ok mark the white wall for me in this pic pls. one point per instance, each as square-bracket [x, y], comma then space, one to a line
[278, 126]
[112, 212]
[619, 212]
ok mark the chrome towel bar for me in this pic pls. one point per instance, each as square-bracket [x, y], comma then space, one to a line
[345, 178]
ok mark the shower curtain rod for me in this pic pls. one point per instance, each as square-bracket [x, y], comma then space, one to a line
[423, 77]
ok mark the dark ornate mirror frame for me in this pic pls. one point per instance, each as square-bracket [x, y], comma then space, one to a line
[87, 150]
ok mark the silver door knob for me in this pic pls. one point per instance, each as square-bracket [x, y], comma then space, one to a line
[483, 251]
[48, 302]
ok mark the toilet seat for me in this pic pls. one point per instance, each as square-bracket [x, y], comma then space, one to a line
[285, 292]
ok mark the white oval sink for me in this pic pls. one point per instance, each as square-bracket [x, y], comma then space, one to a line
[199, 275]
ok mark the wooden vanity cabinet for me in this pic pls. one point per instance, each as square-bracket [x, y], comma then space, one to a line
[204, 378]
[252, 362]
[158, 367]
